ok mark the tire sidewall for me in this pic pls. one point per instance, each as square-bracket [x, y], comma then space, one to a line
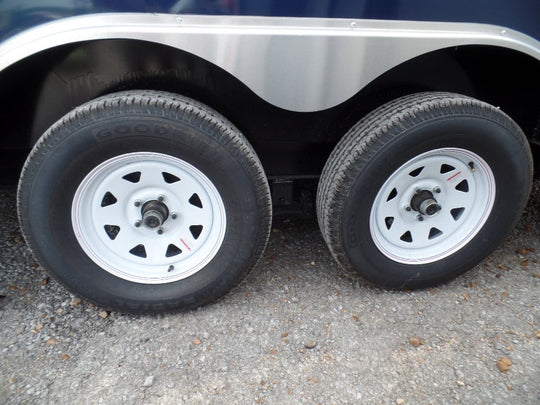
[495, 143]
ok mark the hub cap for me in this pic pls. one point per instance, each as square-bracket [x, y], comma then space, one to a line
[148, 217]
[432, 206]
[154, 213]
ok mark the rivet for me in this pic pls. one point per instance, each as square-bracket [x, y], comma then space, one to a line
[174, 215]
[160, 231]
[137, 224]
[420, 218]
[407, 208]
[178, 19]
[437, 190]
[160, 198]
[137, 203]
[171, 268]
[353, 24]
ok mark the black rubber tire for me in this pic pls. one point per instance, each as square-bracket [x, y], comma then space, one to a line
[169, 124]
[381, 143]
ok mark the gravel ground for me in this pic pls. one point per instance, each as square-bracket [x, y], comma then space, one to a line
[296, 331]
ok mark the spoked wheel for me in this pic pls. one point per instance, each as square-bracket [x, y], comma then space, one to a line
[432, 206]
[145, 201]
[423, 188]
[148, 217]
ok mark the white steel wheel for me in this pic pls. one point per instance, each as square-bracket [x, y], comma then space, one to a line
[148, 217]
[432, 206]
[422, 189]
[145, 202]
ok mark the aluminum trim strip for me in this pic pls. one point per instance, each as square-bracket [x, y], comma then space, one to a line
[299, 64]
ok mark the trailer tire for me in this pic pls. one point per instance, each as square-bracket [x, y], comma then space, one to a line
[145, 202]
[423, 188]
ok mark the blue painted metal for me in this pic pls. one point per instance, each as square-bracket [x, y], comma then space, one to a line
[521, 15]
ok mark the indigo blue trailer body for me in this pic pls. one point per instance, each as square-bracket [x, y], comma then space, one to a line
[521, 15]
[158, 135]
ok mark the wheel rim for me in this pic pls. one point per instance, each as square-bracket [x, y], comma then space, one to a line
[148, 218]
[432, 206]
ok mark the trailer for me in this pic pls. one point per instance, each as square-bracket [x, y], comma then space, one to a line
[154, 138]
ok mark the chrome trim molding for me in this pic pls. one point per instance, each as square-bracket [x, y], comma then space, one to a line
[294, 63]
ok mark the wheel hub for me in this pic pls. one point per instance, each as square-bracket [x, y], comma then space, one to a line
[154, 213]
[425, 203]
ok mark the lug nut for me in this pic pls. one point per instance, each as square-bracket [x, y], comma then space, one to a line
[160, 231]
[137, 224]
[171, 268]
[420, 218]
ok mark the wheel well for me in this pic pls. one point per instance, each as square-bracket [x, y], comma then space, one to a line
[49, 84]
[45, 86]
[502, 77]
